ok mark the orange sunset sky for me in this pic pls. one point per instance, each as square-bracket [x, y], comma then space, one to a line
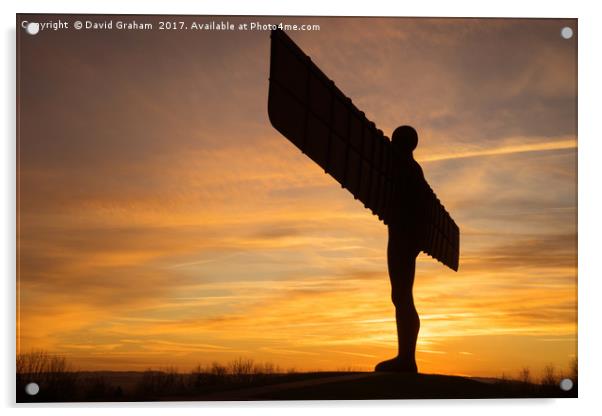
[164, 222]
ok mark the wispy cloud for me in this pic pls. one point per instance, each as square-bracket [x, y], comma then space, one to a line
[504, 150]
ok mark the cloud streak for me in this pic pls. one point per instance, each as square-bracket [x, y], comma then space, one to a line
[505, 150]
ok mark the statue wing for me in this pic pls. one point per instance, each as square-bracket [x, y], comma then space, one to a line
[307, 108]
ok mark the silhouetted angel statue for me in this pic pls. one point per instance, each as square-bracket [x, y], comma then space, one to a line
[308, 109]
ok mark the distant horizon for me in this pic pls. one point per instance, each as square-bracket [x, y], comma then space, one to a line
[536, 374]
[137, 248]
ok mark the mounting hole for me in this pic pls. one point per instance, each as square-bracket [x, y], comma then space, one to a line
[32, 389]
[566, 384]
[566, 32]
[32, 28]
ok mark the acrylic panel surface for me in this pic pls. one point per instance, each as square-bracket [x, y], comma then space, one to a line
[190, 229]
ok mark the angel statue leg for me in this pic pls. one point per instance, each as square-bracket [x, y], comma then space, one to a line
[401, 260]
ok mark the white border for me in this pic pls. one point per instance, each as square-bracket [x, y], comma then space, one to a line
[459, 8]
[590, 208]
